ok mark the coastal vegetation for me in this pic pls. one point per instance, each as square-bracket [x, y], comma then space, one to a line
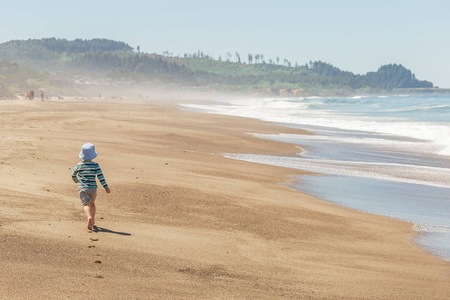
[51, 59]
[18, 80]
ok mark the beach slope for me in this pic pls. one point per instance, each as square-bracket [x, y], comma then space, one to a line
[182, 221]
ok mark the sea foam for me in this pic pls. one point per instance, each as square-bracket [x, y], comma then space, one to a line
[374, 116]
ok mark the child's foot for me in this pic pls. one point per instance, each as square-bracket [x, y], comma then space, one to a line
[90, 224]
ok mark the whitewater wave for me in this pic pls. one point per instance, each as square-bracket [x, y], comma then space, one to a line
[346, 113]
[424, 175]
[431, 228]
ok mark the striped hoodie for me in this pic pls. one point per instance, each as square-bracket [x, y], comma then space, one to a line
[85, 172]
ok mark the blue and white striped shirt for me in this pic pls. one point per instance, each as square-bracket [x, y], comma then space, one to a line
[85, 173]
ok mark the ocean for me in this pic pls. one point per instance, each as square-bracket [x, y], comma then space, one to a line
[385, 155]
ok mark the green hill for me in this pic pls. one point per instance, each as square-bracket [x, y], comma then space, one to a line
[52, 49]
[104, 58]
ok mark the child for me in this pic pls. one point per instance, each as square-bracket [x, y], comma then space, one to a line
[84, 174]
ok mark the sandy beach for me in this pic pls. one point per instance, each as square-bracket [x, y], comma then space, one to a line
[182, 221]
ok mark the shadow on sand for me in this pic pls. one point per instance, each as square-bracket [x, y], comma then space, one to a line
[101, 229]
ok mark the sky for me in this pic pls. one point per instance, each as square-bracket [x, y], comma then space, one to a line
[357, 36]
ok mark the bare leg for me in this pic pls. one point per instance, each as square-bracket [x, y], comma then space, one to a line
[92, 210]
[87, 212]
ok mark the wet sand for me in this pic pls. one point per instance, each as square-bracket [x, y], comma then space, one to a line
[182, 221]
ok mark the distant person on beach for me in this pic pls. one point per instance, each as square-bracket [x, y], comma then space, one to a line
[42, 95]
[85, 174]
[29, 95]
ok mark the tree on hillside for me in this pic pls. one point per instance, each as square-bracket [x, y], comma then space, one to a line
[250, 58]
[326, 69]
[257, 58]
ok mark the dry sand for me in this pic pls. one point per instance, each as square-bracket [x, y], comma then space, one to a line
[182, 221]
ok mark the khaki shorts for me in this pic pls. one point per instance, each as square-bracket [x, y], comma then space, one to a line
[87, 195]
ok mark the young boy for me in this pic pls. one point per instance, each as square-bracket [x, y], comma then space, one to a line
[84, 174]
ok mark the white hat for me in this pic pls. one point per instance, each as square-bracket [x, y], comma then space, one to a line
[88, 152]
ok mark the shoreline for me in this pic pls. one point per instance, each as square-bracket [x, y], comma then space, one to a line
[377, 200]
[403, 153]
[213, 225]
